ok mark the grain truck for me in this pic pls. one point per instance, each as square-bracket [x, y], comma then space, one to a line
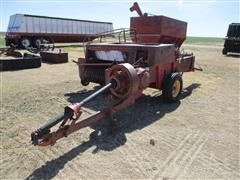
[31, 30]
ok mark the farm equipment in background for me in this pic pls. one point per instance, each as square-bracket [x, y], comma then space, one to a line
[12, 59]
[125, 69]
[26, 31]
[49, 53]
[54, 56]
[232, 40]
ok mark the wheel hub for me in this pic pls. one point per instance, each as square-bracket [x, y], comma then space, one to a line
[176, 88]
[25, 43]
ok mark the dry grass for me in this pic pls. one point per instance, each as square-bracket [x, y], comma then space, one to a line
[197, 137]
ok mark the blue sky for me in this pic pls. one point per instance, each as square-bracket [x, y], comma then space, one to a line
[208, 18]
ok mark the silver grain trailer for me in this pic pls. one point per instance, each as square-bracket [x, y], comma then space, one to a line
[30, 30]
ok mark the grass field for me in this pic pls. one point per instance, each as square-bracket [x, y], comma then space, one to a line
[189, 40]
[204, 40]
[2, 40]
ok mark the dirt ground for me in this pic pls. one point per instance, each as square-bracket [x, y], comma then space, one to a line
[195, 138]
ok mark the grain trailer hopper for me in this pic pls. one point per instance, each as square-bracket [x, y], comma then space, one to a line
[30, 30]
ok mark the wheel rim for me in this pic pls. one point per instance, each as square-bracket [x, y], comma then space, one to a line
[25, 43]
[176, 88]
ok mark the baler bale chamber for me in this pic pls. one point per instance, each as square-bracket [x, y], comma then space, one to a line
[161, 59]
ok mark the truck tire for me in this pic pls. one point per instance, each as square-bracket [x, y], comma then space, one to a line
[172, 87]
[224, 51]
[37, 42]
[25, 43]
[84, 82]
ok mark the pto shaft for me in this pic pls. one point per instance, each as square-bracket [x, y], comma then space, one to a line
[69, 113]
[104, 88]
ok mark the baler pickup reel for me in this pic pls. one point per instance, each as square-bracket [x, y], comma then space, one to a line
[124, 83]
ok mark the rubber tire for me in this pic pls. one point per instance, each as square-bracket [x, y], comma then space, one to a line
[84, 82]
[168, 86]
[22, 43]
[224, 51]
[36, 41]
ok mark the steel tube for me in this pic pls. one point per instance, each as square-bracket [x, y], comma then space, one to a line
[104, 88]
[51, 123]
[61, 116]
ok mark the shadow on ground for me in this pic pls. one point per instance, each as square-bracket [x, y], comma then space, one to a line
[146, 111]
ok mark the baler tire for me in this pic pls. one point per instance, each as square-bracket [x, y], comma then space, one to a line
[172, 87]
